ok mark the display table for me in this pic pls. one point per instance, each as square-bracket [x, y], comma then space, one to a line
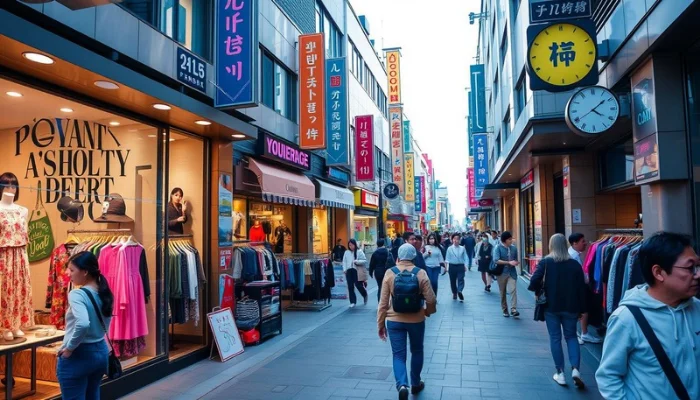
[32, 344]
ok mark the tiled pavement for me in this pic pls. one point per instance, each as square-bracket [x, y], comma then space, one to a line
[471, 352]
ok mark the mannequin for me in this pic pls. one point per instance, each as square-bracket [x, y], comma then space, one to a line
[16, 308]
[256, 233]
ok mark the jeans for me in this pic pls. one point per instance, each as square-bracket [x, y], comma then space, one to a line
[508, 285]
[433, 275]
[471, 259]
[379, 276]
[354, 283]
[456, 278]
[555, 322]
[80, 375]
[397, 336]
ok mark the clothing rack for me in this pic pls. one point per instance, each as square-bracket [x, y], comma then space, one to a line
[123, 230]
[623, 231]
[297, 305]
[185, 236]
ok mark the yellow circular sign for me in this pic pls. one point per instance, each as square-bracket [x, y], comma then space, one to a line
[562, 54]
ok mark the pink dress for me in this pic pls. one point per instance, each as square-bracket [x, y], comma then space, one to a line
[16, 310]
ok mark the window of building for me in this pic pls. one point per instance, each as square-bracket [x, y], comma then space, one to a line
[514, 7]
[278, 86]
[386, 170]
[504, 46]
[520, 95]
[377, 160]
[190, 22]
[506, 126]
[495, 87]
[497, 146]
[617, 165]
[331, 34]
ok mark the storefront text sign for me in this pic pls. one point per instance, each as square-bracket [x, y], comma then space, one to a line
[527, 180]
[395, 124]
[643, 103]
[369, 199]
[481, 161]
[485, 202]
[191, 70]
[646, 160]
[391, 191]
[472, 189]
[556, 10]
[409, 177]
[336, 105]
[477, 105]
[407, 141]
[312, 108]
[393, 67]
[418, 193]
[282, 151]
[236, 53]
[338, 175]
[364, 148]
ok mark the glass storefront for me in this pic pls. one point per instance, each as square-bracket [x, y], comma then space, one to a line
[528, 205]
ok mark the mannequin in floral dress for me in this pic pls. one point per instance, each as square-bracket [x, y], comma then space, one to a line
[16, 309]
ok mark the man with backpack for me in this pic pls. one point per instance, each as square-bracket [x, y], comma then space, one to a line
[407, 298]
[381, 261]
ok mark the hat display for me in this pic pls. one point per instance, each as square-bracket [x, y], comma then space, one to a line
[114, 210]
[71, 210]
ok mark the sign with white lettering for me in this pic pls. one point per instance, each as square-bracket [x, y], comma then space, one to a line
[191, 70]
[556, 10]
[282, 151]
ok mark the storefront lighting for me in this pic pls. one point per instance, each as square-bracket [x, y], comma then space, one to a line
[106, 85]
[172, 140]
[14, 94]
[203, 123]
[152, 136]
[114, 123]
[38, 58]
[163, 107]
[66, 110]
[238, 136]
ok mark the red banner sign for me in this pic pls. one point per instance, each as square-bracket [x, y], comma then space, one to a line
[473, 203]
[364, 148]
[312, 112]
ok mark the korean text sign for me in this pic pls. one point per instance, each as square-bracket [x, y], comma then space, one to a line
[312, 116]
[395, 117]
[556, 10]
[337, 107]
[364, 148]
[236, 53]
[409, 177]
[419, 194]
[481, 161]
[407, 145]
[477, 109]
[472, 189]
[393, 67]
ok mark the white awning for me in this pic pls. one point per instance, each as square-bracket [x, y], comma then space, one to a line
[335, 196]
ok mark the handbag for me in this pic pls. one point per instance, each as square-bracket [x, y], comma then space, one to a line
[41, 242]
[660, 354]
[114, 366]
[541, 298]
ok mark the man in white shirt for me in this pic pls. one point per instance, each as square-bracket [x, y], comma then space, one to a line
[457, 261]
[578, 247]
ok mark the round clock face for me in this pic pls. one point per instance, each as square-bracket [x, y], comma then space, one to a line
[562, 54]
[592, 110]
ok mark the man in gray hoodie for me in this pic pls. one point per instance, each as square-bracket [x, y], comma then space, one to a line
[629, 368]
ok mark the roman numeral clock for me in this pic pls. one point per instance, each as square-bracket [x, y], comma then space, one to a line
[592, 110]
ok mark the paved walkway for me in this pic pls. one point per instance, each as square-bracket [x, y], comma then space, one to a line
[471, 352]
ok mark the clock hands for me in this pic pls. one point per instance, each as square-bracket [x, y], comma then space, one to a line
[593, 110]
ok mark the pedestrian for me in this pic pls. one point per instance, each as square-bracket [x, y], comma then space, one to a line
[578, 246]
[380, 261]
[395, 247]
[494, 239]
[506, 255]
[400, 320]
[418, 244]
[663, 361]
[434, 261]
[83, 356]
[446, 242]
[469, 244]
[456, 260]
[338, 251]
[562, 280]
[354, 261]
[484, 260]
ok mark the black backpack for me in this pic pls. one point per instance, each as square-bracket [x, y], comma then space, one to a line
[407, 297]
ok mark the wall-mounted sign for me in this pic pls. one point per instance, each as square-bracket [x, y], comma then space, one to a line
[407, 142]
[481, 160]
[557, 10]
[527, 180]
[364, 148]
[409, 181]
[477, 108]
[236, 53]
[366, 199]
[338, 175]
[472, 189]
[312, 109]
[337, 107]
[395, 126]
[486, 202]
[393, 68]
[279, 150]
[646, 160]
[643, 102]
[420, 182]
[576, 216]
[191, 70]
[391, 191]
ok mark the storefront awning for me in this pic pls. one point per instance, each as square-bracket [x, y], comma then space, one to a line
[335, 196]
[280, 186]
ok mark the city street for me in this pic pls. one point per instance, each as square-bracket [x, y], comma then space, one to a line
[471, 352]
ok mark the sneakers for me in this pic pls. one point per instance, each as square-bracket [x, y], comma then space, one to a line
[576, 376]
[365, 297]
[514, 312]
[461, 297]
[454, 296]
[580, 341]
[418, 389]
[403, 393]
[505, 314]
[587, 337]
[559, 378]
[488, 288]
[352, 305]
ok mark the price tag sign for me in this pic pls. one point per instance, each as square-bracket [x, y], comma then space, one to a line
[191, 70]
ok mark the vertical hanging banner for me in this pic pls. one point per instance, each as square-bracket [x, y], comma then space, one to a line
[407, 142]
[312, 116]
[481, 161]
[472, 189]
[337, 107]
[470, 140]
[393, 68]
[423, 194]
[409, 177]
[419, 195]
[364, 148]
[395, 116]
[477, 111]
[236, 53]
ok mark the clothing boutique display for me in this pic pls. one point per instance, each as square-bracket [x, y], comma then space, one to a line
[16, 308]
[186, 278]
[254, 263]
[257, 233]
[58, 285]
[310, 279]
[237, 219]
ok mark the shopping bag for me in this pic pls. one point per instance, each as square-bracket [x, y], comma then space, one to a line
[41, 242]
[228, 300]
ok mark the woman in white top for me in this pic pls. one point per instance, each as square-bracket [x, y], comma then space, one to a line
[432, 253]
[354, 268]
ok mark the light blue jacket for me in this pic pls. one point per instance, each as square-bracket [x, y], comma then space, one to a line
[629, 369]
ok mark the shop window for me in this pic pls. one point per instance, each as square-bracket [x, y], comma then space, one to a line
[278, 87]
[190, 23]
[617, 165]
[364, 231]
[144, 9]
[272, 222]
[528, 205]
[240, 224]
[319, 226]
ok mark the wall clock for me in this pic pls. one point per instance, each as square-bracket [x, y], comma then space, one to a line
[592, 110]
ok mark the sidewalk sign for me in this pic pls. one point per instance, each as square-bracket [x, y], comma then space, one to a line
[228, 341]
[340, 290]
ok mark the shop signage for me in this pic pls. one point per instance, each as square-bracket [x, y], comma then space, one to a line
[644, 108]
[409, 177]
[419, 194]
[393, 67]
[423, 196]
[191, 70]
[485, 202]
[395, 116]
[407, 142]
[646, 160]
[338, 175]
[312, 113]
[225, 210]
[391, 191]
[477, 110]
[527, 180]
[228, 340]
[556, 10]
[337, 106]
[472, 189]
[367, 199]
[236, 53]
[282, 151]
[481, 161]
[470, 132]
[364, 148]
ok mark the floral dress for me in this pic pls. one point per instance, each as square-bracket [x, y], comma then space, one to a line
[58, 286]
[16, 309]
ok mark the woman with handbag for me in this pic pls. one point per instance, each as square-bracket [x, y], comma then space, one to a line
[561, 297]
[354, 261]
[84, 357]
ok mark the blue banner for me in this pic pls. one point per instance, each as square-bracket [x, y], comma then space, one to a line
[407, 142]
[477, 112]
[469, 124]
[337, 112]
[236, 53]
[418, 200]
[481, 161]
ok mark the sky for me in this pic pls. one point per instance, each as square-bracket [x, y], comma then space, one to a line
[437, 46]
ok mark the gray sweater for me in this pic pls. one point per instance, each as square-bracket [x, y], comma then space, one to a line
[82, 322]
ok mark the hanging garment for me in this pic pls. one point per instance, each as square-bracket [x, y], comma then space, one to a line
[16, 308]
[58, 286]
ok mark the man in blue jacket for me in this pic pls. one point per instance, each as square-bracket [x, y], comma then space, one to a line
[629, 368]
[469, 244]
